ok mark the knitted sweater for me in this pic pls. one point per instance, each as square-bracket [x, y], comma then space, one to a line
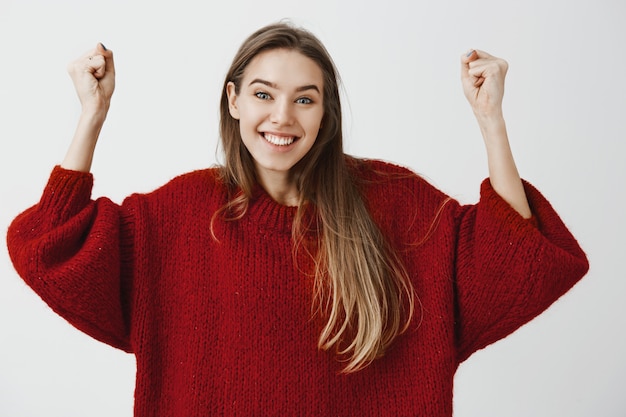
[224, 326]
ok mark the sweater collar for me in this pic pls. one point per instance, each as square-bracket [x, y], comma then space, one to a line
[270, 215]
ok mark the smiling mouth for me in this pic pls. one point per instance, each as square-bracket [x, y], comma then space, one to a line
[279, 140]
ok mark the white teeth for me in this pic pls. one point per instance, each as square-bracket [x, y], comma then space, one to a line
[278, 140]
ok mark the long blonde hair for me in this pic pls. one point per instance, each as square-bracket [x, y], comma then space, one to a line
[361, 286]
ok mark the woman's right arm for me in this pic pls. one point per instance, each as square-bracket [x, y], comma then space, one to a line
[93, 76]
[74, 252]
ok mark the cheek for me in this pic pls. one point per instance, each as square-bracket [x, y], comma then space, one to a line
[248, 120]
[248, 111]
[315, 122]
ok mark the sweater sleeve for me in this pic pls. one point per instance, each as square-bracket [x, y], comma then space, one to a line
[509, 269]
[69, 249]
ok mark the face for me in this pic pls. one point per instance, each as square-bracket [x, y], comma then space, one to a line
[279, 107]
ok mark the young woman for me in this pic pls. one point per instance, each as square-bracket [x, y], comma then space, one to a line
[295, 279]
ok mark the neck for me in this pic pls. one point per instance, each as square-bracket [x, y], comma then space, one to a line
[280, 187]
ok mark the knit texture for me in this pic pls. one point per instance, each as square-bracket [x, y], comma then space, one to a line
[224, 326]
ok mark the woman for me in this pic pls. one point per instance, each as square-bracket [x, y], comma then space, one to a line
[294, 280]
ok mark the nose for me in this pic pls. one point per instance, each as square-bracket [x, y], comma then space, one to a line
[282, 113]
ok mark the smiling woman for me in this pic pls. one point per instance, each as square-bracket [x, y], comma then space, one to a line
[294, 279]
[282, 87]
[279, 106]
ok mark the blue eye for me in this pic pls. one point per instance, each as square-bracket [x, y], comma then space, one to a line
[304, 100]
[262, 95]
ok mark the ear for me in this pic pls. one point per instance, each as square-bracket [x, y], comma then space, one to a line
[232, 100]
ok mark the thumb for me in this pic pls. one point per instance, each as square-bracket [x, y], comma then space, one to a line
[107, 54]
[466, 58]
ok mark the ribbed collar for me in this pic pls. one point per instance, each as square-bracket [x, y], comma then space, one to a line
[270, 215]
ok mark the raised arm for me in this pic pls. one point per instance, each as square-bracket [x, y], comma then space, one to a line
[483, 77]
[93, 75]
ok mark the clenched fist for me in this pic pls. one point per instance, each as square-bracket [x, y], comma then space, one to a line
[483, 76]
[93, 75]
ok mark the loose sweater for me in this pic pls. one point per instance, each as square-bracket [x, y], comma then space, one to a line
[219, 316]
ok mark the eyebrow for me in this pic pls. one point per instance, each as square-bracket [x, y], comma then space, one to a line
[274, 85]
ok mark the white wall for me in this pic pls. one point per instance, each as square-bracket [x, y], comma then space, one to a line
[566, 113]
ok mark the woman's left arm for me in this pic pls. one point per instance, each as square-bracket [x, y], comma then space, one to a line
[483, 77]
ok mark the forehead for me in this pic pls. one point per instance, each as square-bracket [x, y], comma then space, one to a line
[284, 67]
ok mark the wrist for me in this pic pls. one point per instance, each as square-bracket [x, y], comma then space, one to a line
[94, 115]
[491, 124]
[495, 117]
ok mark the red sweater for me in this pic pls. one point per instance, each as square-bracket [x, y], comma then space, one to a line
[224, 327]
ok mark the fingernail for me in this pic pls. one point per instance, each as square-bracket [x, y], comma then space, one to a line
[469, 53]
[103, 47]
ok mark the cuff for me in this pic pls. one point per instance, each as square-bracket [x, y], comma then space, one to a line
[66, 192]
